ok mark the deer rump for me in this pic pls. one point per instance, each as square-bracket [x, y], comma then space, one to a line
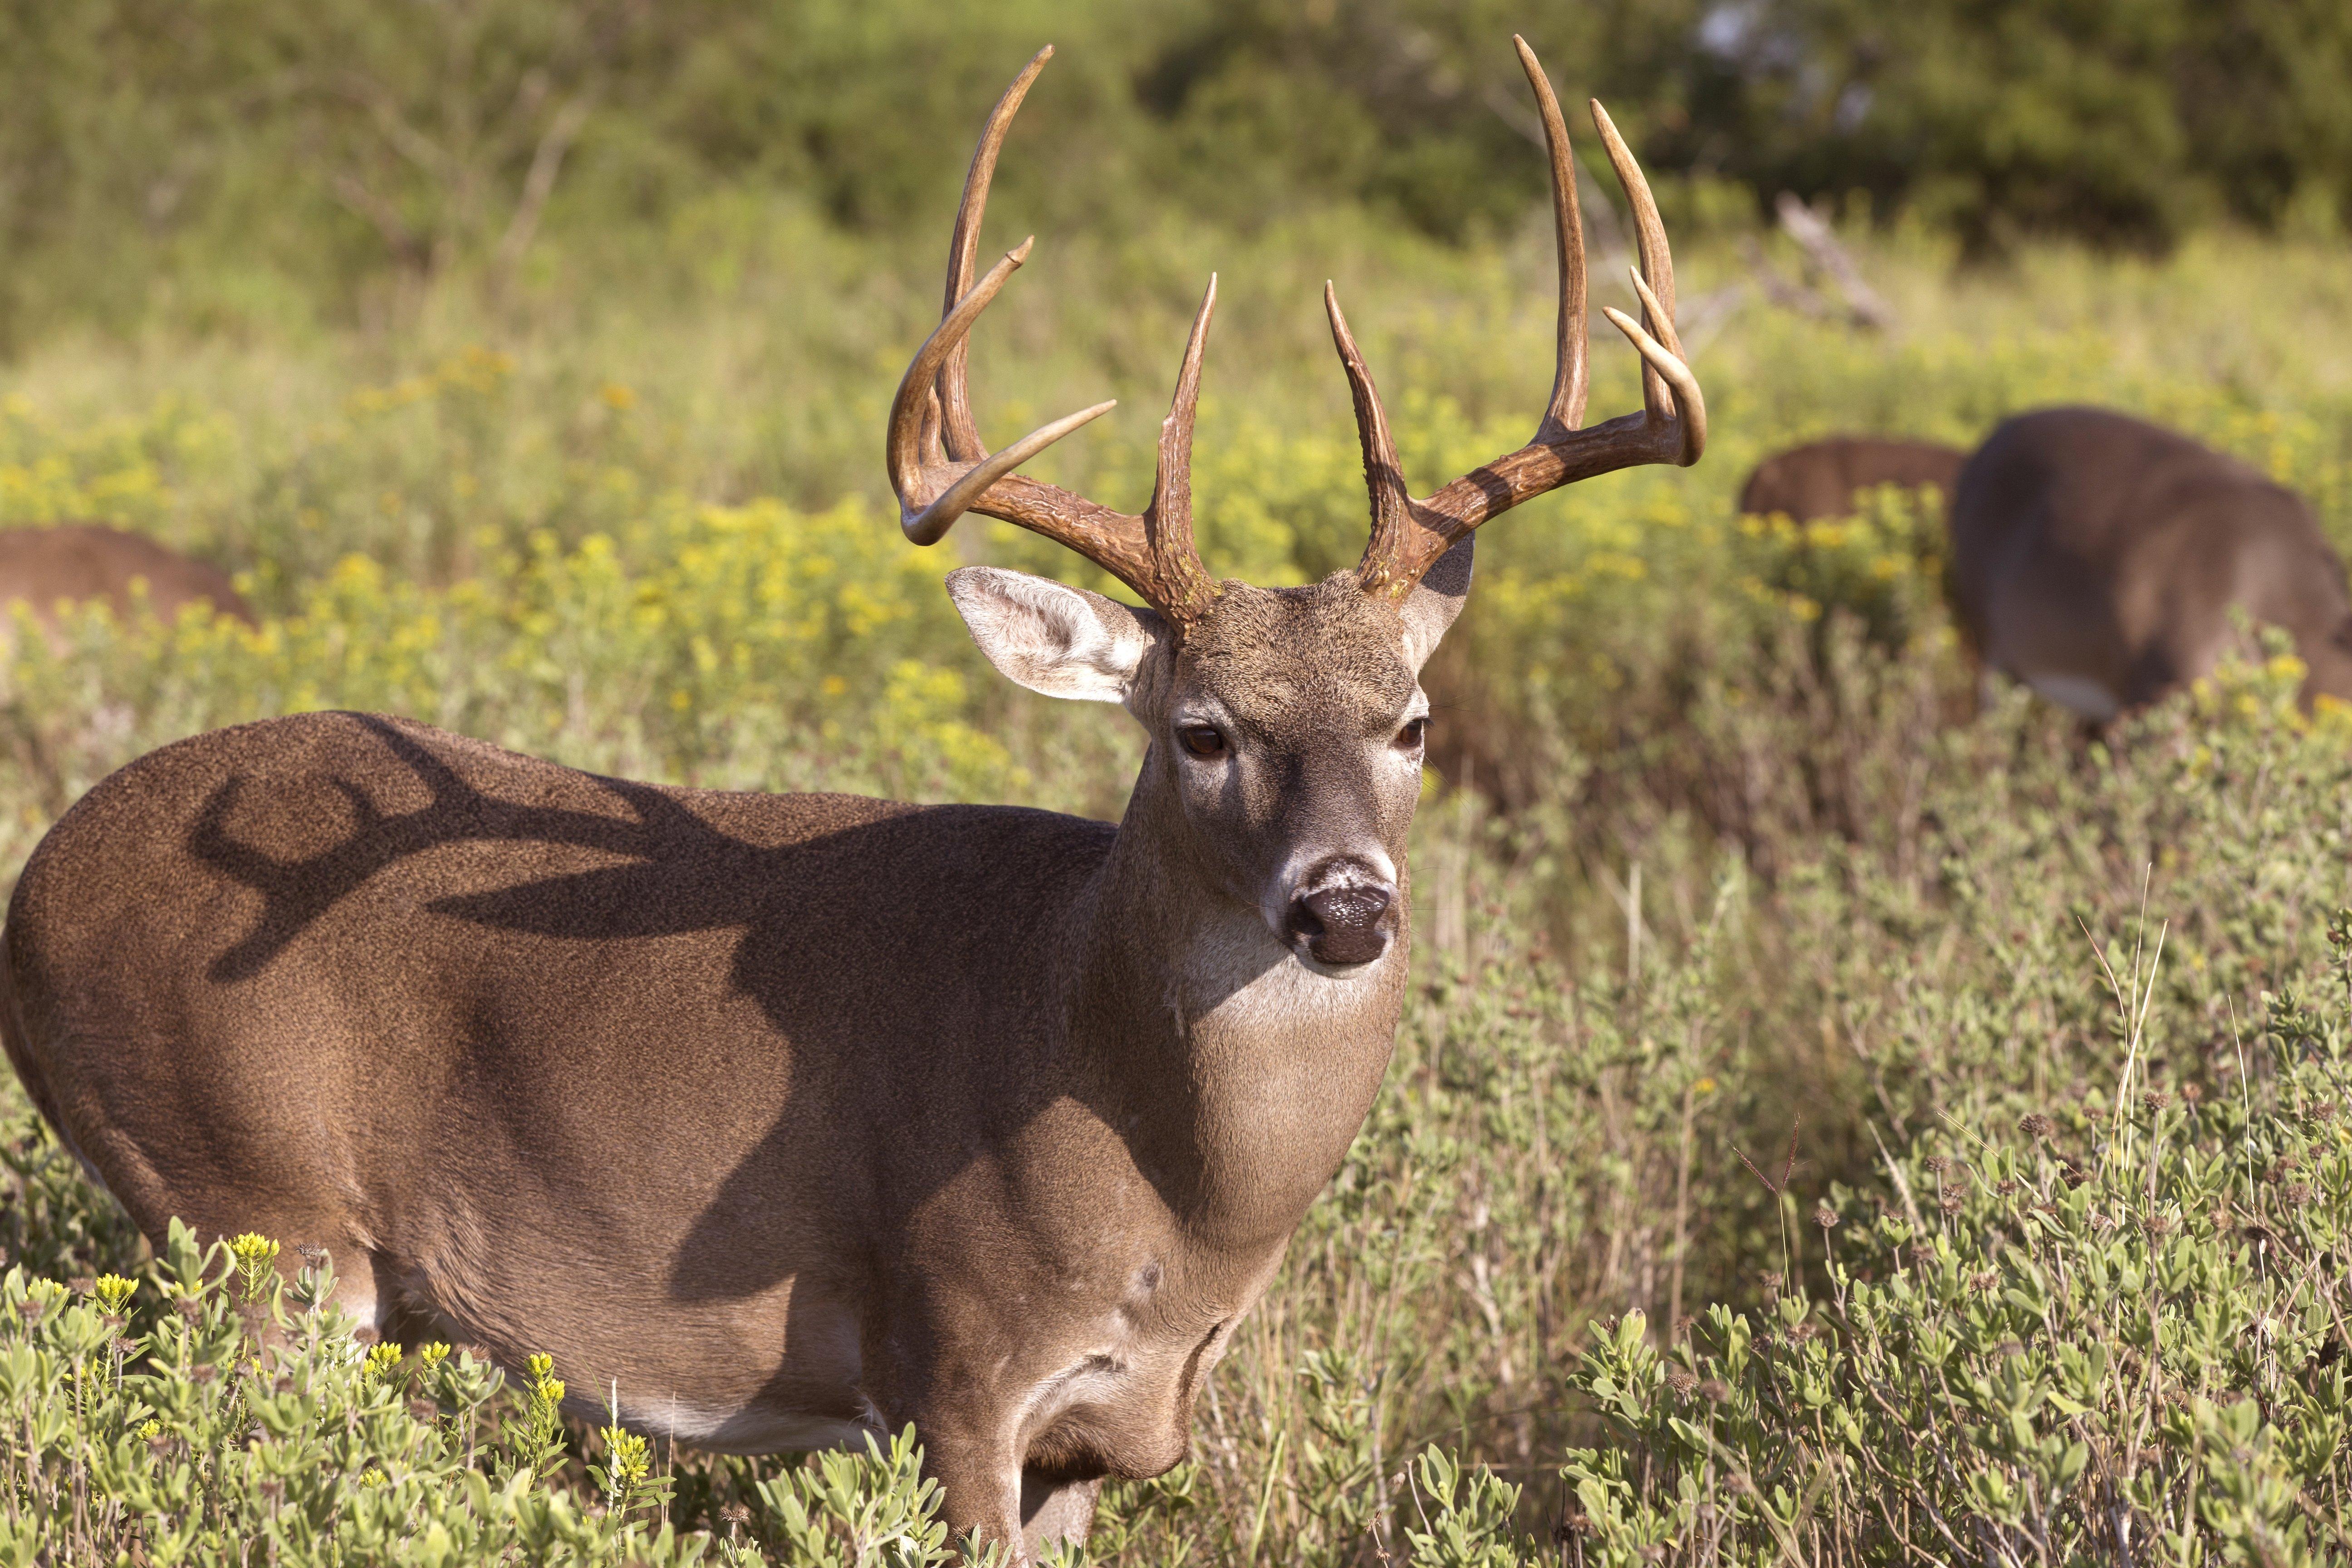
[708, 1093]
[2098, 559]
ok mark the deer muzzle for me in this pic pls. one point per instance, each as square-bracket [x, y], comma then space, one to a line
[1343, 913]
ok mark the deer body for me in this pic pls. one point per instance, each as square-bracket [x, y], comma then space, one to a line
[41, 566]
[803, 1117]
[647, 1117]
[1821, 478]
[2097, 558]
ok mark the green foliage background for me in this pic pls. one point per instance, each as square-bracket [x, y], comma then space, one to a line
[249, 158]
[1719, 857]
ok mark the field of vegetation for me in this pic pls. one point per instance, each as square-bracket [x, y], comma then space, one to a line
[1834, 1121]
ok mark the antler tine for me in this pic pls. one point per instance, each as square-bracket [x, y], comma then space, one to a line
[1570, 376]
[940, 467]
[914, 428]
[918, 417]
[1657, 260]
[1409, 536]
[1393, 520]
[1660, 360]
[960, 430]
[1168, 520]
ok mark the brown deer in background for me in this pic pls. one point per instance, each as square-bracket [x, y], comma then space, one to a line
[1821, 478]
[2097, 558]
[806, 1116]
[80, 561]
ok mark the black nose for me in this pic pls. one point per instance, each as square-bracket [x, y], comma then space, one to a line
[1345, 923]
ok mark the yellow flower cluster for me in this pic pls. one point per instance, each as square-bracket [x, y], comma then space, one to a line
[702, 633]
[475, 369]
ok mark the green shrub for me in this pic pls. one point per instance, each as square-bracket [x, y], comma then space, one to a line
[207, 1413]
[2117, 1329]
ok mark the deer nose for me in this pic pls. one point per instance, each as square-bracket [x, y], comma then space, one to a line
[1343, 916]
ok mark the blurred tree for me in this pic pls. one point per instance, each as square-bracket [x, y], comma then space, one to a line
[2123, 122]
[873, 104]
[444, 125]
[1418, 105]
[322, 142]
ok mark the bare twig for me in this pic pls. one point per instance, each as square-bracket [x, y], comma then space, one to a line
[1682, 1219]
[1813, 236]
[393, 126]
[546, 164]
[1783, 290]
[1901, 1186]
[398, 237]
[1703, 315]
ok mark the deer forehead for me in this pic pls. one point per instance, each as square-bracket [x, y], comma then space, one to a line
[1299, 660]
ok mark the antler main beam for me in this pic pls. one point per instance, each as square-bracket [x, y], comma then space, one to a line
[1409, 536]
[941, 469]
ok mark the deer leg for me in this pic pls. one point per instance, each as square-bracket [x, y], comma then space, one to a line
[978, 1473]
[984, 1487]
[1053, 1510]
[2162, 668]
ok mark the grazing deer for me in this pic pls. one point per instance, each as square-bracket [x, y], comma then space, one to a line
[804, 1116]
[1821, 478]
[77, 561]
[2097, 558]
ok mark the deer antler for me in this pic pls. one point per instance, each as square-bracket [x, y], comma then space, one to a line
[941, 470]
[1408, 535]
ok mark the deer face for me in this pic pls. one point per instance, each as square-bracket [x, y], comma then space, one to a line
[1286, 727]
[1285, 722]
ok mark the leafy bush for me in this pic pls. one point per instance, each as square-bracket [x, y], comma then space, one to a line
[2117, 1329]
[206, 1412]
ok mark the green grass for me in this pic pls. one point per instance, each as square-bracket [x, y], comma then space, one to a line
[1724, 865]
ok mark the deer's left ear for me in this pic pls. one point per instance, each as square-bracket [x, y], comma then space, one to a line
[1435, 600]
[1051, 637]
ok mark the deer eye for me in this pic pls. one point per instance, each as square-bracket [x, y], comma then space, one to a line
[1203, 740]
[1415, 731]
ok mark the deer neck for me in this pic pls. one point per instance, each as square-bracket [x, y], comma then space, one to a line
[1241, 1075]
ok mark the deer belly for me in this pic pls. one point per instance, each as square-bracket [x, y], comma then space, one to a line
[2071, 655]
[2078, 693]
[781, 1372]
[755, 1429]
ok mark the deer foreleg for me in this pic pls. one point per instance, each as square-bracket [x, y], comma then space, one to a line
[1055, 1510]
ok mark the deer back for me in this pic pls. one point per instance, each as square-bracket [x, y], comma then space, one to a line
[77, 561]
[1821, 479]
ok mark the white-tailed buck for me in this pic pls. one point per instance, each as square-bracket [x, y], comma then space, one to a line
[2098, 558]
[80, 560]
[806, 1116]
[1821, 478]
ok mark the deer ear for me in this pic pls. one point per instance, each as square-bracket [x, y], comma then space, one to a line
[1435, 600]
[1052, 638]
